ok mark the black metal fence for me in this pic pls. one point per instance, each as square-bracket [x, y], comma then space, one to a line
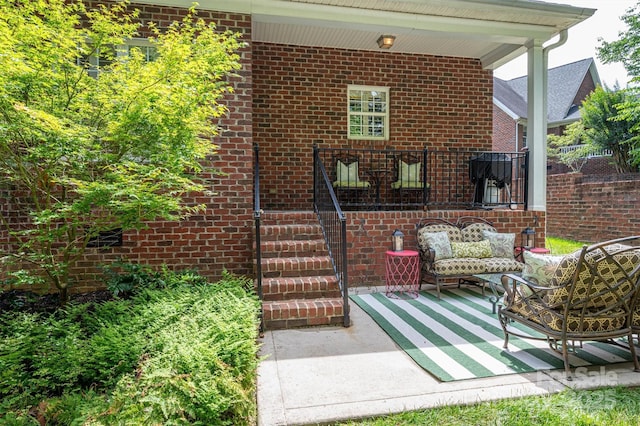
[369, 179]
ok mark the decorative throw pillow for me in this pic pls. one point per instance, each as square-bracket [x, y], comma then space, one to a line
[346, 173]
[477, 249]
[409, 172]
[439, 242]
[408, 176]
[539, 268]
[501, 244]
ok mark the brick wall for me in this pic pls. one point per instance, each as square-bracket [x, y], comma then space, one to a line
[220, 237]
[593, 208]
[369, 235]
[593, 166]
[504, 131]
[587, 86]
[300, 99]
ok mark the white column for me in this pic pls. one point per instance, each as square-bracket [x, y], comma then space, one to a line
[537, 126]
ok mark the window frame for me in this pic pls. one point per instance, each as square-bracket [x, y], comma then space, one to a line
[95, 61]
[368, 115]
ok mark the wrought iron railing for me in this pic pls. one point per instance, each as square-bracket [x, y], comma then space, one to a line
[368, 179]
[257, 213]
[334, 227]
[588, 152]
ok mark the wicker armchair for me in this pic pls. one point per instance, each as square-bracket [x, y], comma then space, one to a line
[590, 296]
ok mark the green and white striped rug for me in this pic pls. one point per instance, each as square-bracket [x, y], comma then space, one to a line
[459, 338]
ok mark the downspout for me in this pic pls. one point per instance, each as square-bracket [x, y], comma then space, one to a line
[564, 35]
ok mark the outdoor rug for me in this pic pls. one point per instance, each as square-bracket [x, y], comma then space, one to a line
[459, 338]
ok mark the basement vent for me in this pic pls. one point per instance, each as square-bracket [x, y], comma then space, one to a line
[112, 238]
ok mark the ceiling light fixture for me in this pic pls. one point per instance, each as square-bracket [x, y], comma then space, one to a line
[386, 41]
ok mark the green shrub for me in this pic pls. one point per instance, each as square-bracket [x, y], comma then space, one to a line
[124, 279]
[39, 356]
[201, 368]
[180, 352]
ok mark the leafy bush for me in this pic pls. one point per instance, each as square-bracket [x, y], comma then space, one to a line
[178, 351]
[124, 279]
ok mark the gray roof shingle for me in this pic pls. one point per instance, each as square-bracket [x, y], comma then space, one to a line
[563, 84]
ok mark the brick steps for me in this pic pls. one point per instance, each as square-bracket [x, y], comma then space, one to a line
[296, 313]
[302, 248]
[313, 287]
[299, 286]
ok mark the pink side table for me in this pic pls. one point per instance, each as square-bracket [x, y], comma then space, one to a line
[537, 250]
[403, 273]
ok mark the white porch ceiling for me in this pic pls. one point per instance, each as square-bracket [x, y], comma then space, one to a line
[494, 31]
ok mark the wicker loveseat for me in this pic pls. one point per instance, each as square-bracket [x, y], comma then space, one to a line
[591, 294]
[450, 252]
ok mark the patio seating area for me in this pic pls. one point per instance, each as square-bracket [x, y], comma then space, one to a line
[390, 179]
[458, 251]
[359, 372]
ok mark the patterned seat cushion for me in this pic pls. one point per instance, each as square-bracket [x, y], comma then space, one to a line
[454, 233]
[426, 235]
[502, 264]
[553, 319]
[460, 266]
[475, 231]
[472, 265]
[595, 284]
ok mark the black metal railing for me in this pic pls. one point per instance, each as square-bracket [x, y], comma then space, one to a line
[389, 179]
[257, 213]
[334, 228]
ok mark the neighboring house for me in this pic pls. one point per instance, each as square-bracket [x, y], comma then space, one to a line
[568, 86]
[309, 66]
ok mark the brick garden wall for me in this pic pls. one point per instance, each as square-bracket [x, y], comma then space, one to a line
[593, 208]
[220, 237]
[300, 99]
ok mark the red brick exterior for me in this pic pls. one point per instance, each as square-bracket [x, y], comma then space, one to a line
[221, 236]
[286, 99]
[593, 208]
[504, 131]
[300, 99]
[587, 86]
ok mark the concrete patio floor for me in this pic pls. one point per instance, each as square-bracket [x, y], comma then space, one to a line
[328, 374]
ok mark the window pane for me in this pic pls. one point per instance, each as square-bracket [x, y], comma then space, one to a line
[376, 126]
[368, 113]
[149, 53]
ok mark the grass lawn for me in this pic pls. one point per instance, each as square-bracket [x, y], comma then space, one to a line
[606, 406]
[561, 246]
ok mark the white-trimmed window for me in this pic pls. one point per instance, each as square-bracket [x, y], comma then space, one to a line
[99, 60]
[368, 112]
